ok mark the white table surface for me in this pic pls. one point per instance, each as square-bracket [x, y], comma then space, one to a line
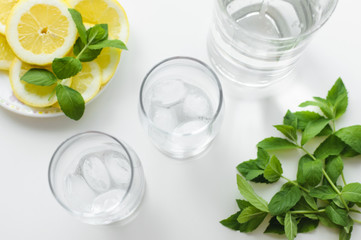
[183, 200]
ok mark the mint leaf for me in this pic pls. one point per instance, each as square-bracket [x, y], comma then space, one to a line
[352, 192]
[85, 55]
[232, 222]
[337, 215]
[349, 152]
[304, 117]
[290, 226]
[109, 43]
[39, 77]
[290, 119]
[289, 131]
[262, 158]
[284, 200]
[333, 168]
[249, 194]
[331, 146]
[309, 171]
[275, 227]
[97, 33]
[274, 143]
[249, 169]
[310, 200]
[323, 192]
[325, 220]
[337, 96]
[312, 171]
[71, 102]
[273, 170]
[281, 219]
[322, 104]
[252, 224]
[250, 213]
[78, 20]
[303, 205]
[345, 235]
[351, 136]
[66, 67]
[307, 225]
[242, 204]
[312, 129]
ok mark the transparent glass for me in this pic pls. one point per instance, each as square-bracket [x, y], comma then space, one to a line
[181, 103]
[255, 43]
[96, 178]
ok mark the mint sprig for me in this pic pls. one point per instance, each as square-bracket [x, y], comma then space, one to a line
[320, 193]
[86, 48]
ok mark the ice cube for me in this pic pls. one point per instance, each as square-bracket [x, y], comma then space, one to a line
[164, 118]
[118, 168]
[78, 194]
[197, 105]
[193, 134]
[106, 202]
[95, 173]
[168, 92]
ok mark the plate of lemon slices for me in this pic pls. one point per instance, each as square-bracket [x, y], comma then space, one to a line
[35, 32]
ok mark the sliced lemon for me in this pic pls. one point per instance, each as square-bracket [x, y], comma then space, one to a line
[31, 95]
[40, 30]
[88, 81]
[5, 6]
[104, 11]
[6, 55]
[108, 61]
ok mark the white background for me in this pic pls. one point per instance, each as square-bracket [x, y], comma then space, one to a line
[183, 200]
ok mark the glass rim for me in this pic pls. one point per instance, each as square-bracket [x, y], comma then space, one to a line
[52, 162]
[201, 63]
[302, 35]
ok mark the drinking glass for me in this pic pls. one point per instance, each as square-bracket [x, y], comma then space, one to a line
[96, 178]
[255, 43]
[181, 103]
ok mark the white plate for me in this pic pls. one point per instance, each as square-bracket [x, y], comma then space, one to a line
[11, 103]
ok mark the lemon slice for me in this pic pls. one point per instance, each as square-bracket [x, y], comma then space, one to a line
[31, 95]
[6, 55]
[40, 30]
[108, 61]
[104, 11]
[5, 6]
[88, 81]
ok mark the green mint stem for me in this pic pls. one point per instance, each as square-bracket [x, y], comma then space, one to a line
[328, 178]
[334, 126]
[343, 179]
[308, 212]
[85, 47]
[356, 221]
[354, 210]
[296, 184]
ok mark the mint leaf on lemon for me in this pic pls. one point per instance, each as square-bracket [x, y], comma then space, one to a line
[40, 77]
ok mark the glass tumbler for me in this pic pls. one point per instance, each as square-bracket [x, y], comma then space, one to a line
[181, 103]
[96, 178]
[255, 43]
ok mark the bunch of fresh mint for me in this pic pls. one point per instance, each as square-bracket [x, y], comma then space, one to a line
[317, 195]
[87, 48]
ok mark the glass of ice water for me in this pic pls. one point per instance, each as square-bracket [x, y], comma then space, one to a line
[96, 178]
[181, 104]
[254, 43]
